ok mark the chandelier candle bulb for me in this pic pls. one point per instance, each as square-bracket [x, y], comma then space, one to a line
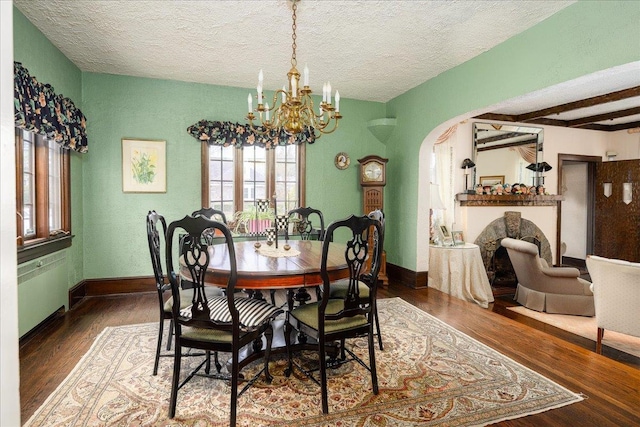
[259, 94]
[328, 92]
[267, 107]
[324, 92]
[250, 102]
[294, 87]
[337, 101]
[260, 78]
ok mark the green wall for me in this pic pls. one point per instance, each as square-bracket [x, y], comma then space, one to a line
[586, 37]
[123, 106]
[45, 62]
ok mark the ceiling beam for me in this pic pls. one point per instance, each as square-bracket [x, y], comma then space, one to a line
[604, 116]
[539, 117]
[583, 103]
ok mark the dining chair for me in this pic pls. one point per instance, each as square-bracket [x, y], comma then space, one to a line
[215, 324]
[163, 286]
[339, 288]
[211, 213]
[153, 237]
[337, 319]
[303, 228]
[303, 224]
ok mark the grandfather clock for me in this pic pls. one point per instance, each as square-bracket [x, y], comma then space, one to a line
[373, 178]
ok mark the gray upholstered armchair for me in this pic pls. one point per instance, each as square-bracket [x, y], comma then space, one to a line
[544, 288]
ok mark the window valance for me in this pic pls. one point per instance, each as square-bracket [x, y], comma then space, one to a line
[37, 108]
[241, 135]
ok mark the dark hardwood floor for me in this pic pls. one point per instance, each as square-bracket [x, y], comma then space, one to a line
[611, 382]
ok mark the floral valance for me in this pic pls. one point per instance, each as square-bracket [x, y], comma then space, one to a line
[241, 135]
[37, 108]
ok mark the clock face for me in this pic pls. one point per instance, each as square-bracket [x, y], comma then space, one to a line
[372, 172]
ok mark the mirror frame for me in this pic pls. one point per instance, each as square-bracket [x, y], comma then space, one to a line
[513, 129]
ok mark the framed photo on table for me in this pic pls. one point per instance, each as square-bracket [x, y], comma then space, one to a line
[144, 166]
[458, 237]
[445, 235]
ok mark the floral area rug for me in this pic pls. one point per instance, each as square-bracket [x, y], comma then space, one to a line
[586, 327]
[429, 375]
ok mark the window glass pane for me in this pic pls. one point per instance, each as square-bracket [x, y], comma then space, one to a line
[254, 175]
[286, 169]
[28, 184]
[221, 178]
[55, 186]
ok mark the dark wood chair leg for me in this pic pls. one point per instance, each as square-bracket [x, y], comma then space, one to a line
[287, 344]
[159, 345]
[170, 335]
[267, 354]
[375, 313]
[174, 383]
[323, 377]
[372, 363]
[235, 373]
[599, 341]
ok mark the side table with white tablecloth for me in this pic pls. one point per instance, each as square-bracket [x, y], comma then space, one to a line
[459, 271]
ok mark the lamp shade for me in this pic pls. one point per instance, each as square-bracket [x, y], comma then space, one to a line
[467, 163]
[539, 167]
[544, 166]
[435, 200]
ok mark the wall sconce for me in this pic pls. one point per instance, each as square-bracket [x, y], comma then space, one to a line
[607, 189]
[626, 192]
[466, 165]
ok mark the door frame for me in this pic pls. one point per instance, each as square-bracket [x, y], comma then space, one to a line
[591, 162]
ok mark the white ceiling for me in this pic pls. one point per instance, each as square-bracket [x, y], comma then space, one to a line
[368, 50]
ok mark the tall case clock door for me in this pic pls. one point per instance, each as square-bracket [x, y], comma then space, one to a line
[372, 199]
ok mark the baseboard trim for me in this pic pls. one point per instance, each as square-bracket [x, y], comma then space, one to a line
[122, 285]
[116, 285]
[410, 278]
[50, 318]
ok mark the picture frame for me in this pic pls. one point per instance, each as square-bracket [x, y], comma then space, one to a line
[445, 235]
[144, 165]
[458, 237]
[491, 180]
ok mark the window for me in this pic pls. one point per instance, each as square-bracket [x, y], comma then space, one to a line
[42, 193]
[233, 179]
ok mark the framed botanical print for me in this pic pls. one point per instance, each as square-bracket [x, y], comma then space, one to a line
[144, 166]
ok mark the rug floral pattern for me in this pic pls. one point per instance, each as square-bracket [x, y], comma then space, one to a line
[429, 374]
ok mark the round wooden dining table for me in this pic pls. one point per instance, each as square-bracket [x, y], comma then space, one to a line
[257, 271]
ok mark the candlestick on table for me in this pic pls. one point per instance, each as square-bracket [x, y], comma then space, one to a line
[275, 219]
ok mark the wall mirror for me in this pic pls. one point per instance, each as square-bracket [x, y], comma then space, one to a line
[503, 152]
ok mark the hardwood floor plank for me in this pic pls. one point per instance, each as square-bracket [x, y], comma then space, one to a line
[612, 387]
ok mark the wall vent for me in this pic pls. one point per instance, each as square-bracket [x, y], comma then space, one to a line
[33, 269]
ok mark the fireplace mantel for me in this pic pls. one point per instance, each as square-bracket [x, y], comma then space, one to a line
[508, 200]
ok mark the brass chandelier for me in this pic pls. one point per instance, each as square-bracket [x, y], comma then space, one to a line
[292, 110]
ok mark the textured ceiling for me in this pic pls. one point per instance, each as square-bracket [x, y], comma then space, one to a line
[368, 50]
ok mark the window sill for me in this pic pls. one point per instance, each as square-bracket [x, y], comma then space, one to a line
[32, 251]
